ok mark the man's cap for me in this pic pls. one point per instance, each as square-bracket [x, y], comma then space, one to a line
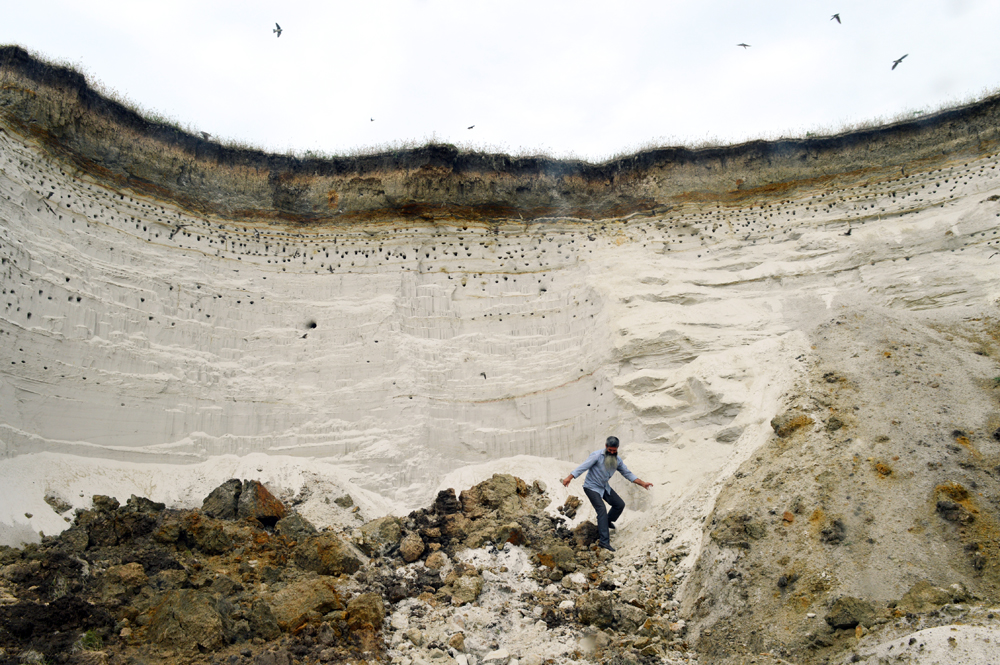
[612, 442]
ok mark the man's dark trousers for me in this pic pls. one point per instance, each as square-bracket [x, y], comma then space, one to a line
[603, 516]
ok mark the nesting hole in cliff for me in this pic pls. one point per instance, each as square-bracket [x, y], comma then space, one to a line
[310, 324]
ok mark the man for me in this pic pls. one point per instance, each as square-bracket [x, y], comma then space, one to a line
[600, 466]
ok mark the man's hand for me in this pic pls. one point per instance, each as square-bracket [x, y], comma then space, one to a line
[567, 480]
[643, 483]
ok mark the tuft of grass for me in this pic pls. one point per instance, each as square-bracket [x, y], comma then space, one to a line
[91, 641]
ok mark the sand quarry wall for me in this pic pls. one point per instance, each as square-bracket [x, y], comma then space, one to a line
[166, 298]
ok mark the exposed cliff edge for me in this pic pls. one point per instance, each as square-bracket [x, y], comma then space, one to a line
[109, 141]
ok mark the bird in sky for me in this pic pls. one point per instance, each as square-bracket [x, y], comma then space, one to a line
[835, 17]
[277, 29]
[744, 45]
[471, 126]
[895, 63]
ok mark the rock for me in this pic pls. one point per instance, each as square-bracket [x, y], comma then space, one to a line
[256, 502]
[57, 503]
[466, 589]
[140, 504]
[924, 597]
[188, 619]
[206, 534]
[262, 621]
[437, 560]
[559, 556]
[501, 494]
[848, 612]
[411, 548]
[446, 503]
[833, 424]
[344, 501]
[787, 423]
[457, 642]
[729, 434]
[365, 611]
[496, 657]
[295, 527]
[222, 502]
[280, 657]
[570, 507]
[122, 580]
[628, 618]
[105, 504]
[456, 527]
[382, 536]
[327, 554]
[292, 605]
[415, 637]
[574, 581]
[510, 533]
[595, 608]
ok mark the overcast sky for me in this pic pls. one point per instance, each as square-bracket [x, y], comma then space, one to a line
[580, 78]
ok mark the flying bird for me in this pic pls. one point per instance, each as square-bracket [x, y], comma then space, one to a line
[277, 29]
[206, 135]
[471, 126]
[835, 17]
[744, 45]
[895, 63]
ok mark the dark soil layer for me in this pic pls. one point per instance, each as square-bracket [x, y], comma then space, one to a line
[120, 148]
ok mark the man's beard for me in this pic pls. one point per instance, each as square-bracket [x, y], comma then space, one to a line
[610, 462]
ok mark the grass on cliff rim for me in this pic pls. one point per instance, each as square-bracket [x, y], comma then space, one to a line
[404, 145]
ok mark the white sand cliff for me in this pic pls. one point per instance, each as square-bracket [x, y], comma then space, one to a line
[148, 349]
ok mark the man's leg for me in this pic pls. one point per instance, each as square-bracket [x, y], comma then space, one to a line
[602, 516]
[616, 503]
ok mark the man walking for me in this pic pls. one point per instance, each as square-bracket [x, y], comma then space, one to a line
[600, 466]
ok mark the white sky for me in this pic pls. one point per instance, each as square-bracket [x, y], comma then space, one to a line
[581, 78]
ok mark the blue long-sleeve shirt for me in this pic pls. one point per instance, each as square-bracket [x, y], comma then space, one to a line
[597, 476]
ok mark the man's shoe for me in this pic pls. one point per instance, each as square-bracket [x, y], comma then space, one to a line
[606, 547]
[611, 525]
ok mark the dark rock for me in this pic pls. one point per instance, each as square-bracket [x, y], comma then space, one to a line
[188, 619]
[255, 502]
[570, 507]
[57, 503]
[344, 501]
[139, 504]
[105, 504]
[848, 612]
[596, 608]
[586, 534]
[206, 534]
[295, 527]
[833, 424]
[628, 618]
[447, 503]
[262, 621]
[222, 502]
[833, 533]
